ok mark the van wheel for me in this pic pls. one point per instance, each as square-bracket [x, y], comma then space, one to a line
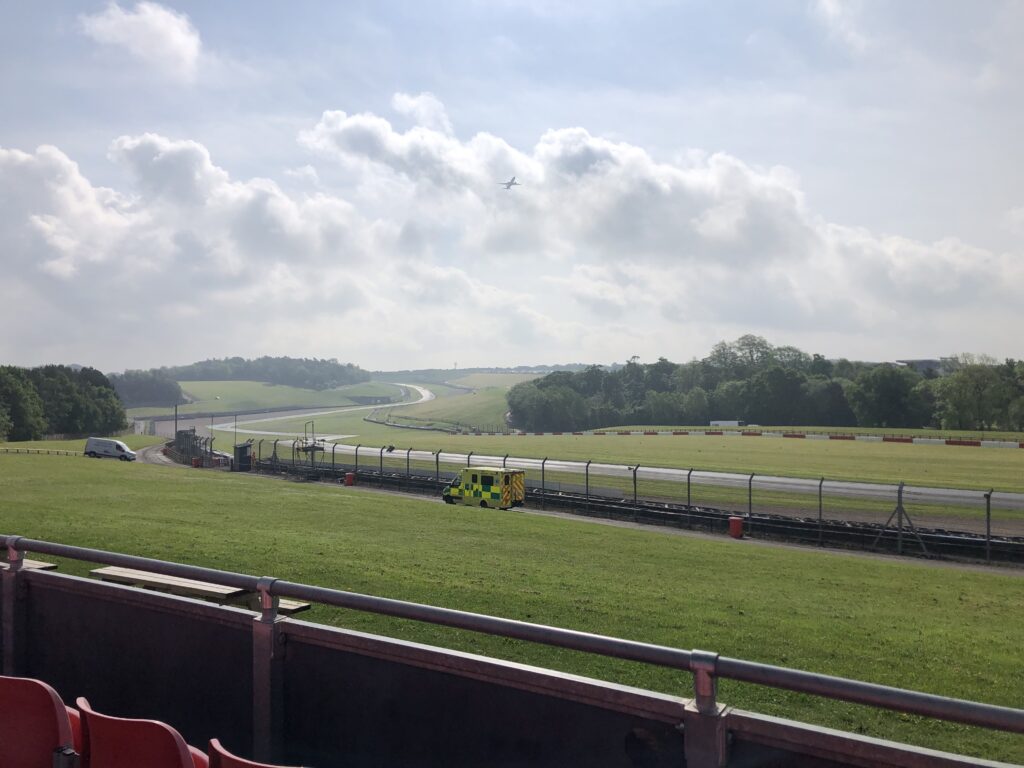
[123, 458]
[483, 504]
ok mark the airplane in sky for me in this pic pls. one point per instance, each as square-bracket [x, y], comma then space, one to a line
[510, 183]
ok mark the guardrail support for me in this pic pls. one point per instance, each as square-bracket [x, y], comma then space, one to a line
[543, 484]
[13, 609]
[587, 471]
[705, 738]
[988, 525]
[821, 530]
[267, 674]
[636, 509]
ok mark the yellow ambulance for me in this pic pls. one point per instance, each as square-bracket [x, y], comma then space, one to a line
[487, 487]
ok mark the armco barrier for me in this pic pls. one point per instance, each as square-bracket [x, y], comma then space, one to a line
[290, 691]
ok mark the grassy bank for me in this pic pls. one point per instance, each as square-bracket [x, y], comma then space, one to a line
[944, 631]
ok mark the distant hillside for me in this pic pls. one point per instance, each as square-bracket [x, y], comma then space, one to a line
[306, 373]
[441, 375]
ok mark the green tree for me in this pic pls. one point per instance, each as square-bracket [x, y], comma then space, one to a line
[884, 396]
[696, 407]
[24, 408]
[972, 397]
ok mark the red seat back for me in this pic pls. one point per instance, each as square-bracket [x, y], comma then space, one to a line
[221, 758]
[118, 742]
[33, 723]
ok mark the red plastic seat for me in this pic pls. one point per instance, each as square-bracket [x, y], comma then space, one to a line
[120, 742]
[221, 758]
[33, 723]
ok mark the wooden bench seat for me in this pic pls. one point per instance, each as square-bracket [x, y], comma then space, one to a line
[206, 590]
[35, 565]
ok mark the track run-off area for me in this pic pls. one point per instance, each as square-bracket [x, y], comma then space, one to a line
[1007, 501]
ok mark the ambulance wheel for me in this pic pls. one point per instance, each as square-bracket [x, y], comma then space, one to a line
[483, 504]
[449, 500]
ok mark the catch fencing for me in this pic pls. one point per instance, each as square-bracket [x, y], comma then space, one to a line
[933, 522]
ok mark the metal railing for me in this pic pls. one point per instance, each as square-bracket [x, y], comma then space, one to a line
[705, 666]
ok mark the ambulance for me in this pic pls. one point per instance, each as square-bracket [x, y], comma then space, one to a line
[487, 487]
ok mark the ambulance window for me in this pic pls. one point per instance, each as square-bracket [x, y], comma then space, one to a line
[474, 479]
[487, 480]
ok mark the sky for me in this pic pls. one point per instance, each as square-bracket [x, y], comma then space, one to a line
[187, 180]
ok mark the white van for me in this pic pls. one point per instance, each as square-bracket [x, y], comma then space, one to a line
[98, 447]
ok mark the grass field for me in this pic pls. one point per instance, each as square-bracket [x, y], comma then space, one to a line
[503, 380]
[227, 396]
[946, 631]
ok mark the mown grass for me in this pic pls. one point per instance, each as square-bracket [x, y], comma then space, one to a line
[132, 441]
[898, 431]
[226, 396]
[502, 380]
[946, 631]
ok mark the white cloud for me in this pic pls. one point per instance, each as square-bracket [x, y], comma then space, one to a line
[151, 33]
[603, 252]
[425, 109]
[841, 18]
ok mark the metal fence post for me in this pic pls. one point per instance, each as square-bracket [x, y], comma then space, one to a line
[587, 471]
[705, 738]
[543, 484]
[13, 609]
[750, 495]
[267, 674]
[688, 487]
[407, 470]
[358, 446]
[821, 532]
[899, 517]
[382, 465]
[469, 457]
[437, 466]
[504, 462]
[636, 508]
[334, 447]
[988, 525]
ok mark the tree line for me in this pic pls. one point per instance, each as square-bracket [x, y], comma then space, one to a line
[159, 386]
[752, 381]
[307, 373]
[57, 400]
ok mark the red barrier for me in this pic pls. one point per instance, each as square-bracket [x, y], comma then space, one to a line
[839, 437]
[971, 443]
[794, 434]
[751, 434]
[887, 439]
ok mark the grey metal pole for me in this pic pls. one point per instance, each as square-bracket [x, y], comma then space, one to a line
[236, 429]
[407, 472]
[636, 509]
[899, 517]
[504, 462]
[543, 485]
[469, 456]
[334, 447]
[175, 423]
[821, 531]
[382, 465]
[437, 466]
[988, 525]
[358, 446]
[588, 483]
[688, 487]
[750, 495]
